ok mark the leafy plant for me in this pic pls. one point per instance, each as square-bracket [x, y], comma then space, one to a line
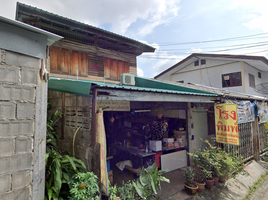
[59, 167]
[85, 187]
[212, 160]
[149, 182]
[128, 192]
[112, 192]
[189, 177]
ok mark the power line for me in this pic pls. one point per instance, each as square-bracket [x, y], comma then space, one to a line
[212, 47]
[218, 40]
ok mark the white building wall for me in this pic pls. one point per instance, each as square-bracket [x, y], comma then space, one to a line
[209, 63]
[251, 70]
[193, 77]
[210, 76]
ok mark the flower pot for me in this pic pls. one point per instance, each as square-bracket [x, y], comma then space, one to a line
[224, 178]
[209, 183]
[190, 190]
[216, 180]
[201, 186]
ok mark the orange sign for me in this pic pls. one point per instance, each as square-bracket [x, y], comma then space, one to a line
[226, 123]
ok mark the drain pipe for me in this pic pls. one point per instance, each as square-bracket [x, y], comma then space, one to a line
[74, 139]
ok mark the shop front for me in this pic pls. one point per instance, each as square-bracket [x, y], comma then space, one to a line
[143, 124]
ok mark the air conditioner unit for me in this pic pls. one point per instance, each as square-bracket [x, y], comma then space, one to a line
[128, 79]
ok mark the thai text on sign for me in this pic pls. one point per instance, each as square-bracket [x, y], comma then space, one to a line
[226, 124]
[114, 105]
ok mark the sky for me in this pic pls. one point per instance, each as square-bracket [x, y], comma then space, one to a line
[176, 28]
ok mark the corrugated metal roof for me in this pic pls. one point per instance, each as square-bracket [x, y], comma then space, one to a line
[78, 23]
[227, 93]
[82, 87]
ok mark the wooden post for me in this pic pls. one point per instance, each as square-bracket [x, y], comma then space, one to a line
[256, 146]
[94, 112]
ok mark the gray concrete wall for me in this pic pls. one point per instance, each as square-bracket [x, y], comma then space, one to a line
[19, 83]
[77, 114]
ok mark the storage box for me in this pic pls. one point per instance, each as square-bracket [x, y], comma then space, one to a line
[155, 145]
[168, 139]
[169, 144]
[110, 176]
[181, 138]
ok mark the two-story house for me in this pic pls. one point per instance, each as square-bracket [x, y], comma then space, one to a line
[86, 52]
[237, 73]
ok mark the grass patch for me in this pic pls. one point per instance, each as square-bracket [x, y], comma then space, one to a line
[255, 186]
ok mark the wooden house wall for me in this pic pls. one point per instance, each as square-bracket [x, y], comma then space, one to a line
[92, 62]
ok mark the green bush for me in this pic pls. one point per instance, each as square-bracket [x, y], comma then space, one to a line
[85, 187]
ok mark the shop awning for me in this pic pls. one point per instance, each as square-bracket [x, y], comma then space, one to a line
[82, 87]
[72, 86]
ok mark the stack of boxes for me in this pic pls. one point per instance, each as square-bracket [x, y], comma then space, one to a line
[180, 137]
[168, 142]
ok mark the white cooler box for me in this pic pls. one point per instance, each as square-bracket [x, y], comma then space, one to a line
[155, 145]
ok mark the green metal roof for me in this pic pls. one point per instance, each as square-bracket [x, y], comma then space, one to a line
[82, 87]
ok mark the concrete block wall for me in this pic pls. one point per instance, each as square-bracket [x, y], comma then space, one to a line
[19, 76]
[77, 114]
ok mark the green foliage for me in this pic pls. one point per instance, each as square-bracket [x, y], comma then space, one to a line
[128, 192]
[85, 187]
[112, 192]
[212, 160]
[189, 177]
[59, 167]
[149, 182]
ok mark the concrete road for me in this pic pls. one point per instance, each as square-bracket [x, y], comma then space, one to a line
[261, 193]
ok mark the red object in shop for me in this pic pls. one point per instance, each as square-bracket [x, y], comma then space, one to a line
[157, 158]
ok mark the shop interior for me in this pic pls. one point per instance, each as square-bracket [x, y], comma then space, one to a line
[132, 142]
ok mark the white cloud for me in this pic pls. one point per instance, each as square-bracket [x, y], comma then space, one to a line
[163, 60]
[257, 15]
[140, 72]
[117, 15]
[196, 50]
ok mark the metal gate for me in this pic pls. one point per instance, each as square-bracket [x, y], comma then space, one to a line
[245, 149]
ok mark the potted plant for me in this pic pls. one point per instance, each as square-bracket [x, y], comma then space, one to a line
[189, 185]
[200, 180]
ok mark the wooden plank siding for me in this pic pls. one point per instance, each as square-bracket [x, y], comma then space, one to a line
[114, 68]
[92, 62]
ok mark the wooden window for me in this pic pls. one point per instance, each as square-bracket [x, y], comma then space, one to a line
[203, 62]
[96, 67]
[65, 61]
[55, 65]
[251, 80]
[196, 63]
[259, 74]
[232, 79]
[114, 68]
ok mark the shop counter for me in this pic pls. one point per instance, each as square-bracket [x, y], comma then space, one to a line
[140, 153]
[165, 150]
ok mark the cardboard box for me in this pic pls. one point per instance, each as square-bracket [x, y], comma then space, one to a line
[155, 145]
[168, 139]
[110, 176]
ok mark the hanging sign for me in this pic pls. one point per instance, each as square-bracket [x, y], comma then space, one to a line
[226, 123]
[245, 111]
[114, 105]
